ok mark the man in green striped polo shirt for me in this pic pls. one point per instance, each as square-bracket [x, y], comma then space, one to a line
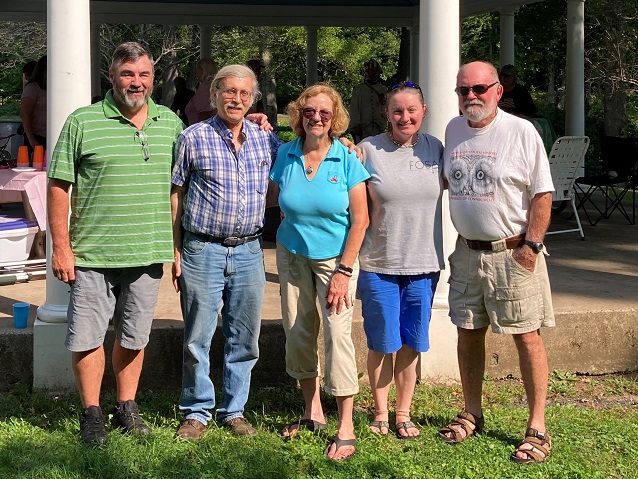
[117, 155]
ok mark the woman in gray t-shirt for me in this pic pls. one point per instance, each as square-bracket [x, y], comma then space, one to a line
[402, 252]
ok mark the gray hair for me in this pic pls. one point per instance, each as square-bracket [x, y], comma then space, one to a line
[129, 52]
[236, 71]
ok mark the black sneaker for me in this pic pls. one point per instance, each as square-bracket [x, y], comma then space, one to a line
[126, 416]
[92, 429]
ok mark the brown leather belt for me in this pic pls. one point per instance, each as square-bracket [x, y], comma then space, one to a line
[510, 243]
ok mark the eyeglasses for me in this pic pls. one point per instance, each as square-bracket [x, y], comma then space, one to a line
[477, 89]
[232, 93]
[406, 84]
[309, 113]
[141, 134]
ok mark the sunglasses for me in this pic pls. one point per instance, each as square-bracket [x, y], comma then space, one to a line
[477, 89]
[310, 113]
[141, 134]
[406, 84]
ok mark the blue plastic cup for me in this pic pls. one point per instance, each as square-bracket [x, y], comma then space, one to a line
[20, 315]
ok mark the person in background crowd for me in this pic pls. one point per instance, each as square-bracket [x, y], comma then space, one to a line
[515, 99]
[182, 96]
[367, 112]
[199, 107]
[33, 110]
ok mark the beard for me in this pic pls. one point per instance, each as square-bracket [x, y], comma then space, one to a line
[476, 110]
[123, 97]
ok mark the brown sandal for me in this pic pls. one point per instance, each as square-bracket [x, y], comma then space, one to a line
[541, 447]
[471, 424]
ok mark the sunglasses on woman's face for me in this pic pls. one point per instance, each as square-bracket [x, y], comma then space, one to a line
[310, 113]
[477, 89]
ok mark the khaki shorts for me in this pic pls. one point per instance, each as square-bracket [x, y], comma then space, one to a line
[492, 288]
[303, 283]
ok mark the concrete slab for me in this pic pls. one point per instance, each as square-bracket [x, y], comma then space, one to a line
[594, 285]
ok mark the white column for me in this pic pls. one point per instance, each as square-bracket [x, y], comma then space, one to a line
[507, 36]
[312, 76]
[96, 60]
[439, 44]
[68, 87]
[414, 54]
[205, 38]
[575, 75]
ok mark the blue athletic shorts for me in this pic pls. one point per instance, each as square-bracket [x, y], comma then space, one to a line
[396, 310]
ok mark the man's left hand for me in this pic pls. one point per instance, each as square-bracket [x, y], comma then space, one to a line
[526, 257]
[261, 120]
[352, 147]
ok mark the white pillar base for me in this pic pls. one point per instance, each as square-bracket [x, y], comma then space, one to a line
[52, 313]
[52, 369]
[440, 364]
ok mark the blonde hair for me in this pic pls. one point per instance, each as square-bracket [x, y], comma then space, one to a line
[340, 116]
[209, 68]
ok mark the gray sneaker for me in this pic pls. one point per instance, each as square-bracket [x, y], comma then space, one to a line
[126, 416]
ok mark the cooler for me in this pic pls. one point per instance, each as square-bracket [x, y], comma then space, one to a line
[16, 238]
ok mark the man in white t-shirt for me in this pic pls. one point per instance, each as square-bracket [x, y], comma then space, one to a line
[500, 202]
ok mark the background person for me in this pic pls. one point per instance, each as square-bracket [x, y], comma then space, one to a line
[321, 191]
[182, 96]
[199, 107]
[367, 112]
[33, 109]
[516, 98]
[27, 72]
[402, 252]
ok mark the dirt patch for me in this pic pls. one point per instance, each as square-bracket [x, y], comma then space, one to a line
[595, 392]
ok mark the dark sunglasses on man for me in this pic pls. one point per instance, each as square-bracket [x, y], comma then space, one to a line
[477, 89]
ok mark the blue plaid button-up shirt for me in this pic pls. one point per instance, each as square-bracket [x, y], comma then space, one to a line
[226, 189]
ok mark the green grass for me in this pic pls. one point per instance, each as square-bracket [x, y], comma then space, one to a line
[593, 425]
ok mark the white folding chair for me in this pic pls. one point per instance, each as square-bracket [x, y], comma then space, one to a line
[566, 157]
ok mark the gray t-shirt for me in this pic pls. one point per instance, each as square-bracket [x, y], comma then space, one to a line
[405, 234]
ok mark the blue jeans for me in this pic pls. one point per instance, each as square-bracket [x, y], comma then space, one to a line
[213, 274]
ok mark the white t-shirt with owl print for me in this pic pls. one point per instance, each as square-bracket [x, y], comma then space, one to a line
[493, 173]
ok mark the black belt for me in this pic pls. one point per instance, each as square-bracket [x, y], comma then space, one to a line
[510, 243]
[230, 240]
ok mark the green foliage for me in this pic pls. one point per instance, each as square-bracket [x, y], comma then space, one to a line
[10, 110]
[480, 38]
[19, 43]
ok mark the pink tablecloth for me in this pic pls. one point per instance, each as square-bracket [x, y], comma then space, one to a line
[34, 184]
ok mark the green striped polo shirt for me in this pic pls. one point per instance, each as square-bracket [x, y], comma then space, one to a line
[120, 200]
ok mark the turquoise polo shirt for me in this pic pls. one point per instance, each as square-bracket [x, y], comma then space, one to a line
[316, 212]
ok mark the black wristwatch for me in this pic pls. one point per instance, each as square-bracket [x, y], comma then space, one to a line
[536, 247]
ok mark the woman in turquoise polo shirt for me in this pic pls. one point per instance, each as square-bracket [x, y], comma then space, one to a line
[322, 195]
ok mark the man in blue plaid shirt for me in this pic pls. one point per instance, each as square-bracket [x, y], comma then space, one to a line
[220, 180]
